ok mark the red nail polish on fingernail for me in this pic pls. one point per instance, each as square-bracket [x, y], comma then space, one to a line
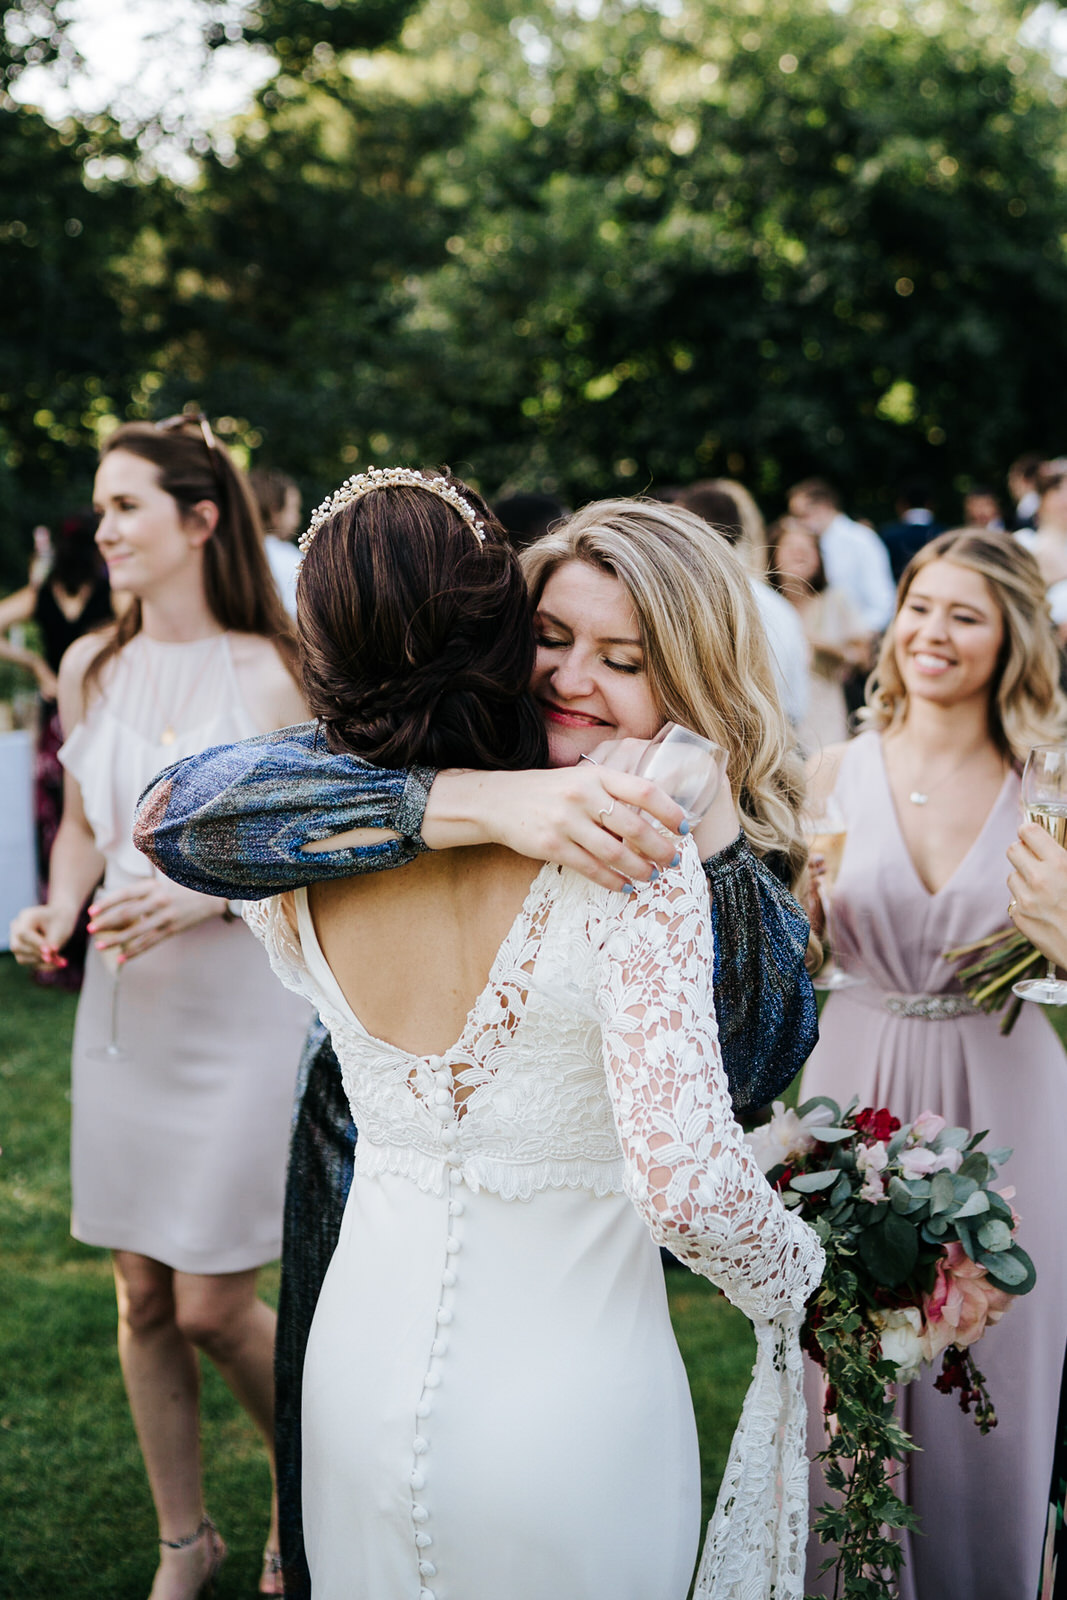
[90, 927]
[122, 960]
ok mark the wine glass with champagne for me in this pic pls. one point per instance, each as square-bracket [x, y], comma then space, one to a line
[1044, 797]
[827, 832]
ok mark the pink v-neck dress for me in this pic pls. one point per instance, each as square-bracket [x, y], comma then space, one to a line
[982, 1500]
[178, 1146]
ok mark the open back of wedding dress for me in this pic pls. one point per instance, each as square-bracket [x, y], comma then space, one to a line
[494, 1403]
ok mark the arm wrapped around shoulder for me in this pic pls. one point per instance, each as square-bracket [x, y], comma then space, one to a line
[689, 1172]
[233, 820]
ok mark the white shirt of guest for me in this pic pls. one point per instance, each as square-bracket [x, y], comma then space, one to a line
[857, 561]
[1056, 593]
[284, 559]
[789, 650]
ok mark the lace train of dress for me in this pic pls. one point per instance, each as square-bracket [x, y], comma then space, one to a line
[494, 1403]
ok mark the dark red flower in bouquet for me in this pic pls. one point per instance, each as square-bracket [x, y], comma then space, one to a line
[877, 1125]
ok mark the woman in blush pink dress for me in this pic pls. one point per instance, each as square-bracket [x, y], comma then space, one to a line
[966, 682]
[181, 1096]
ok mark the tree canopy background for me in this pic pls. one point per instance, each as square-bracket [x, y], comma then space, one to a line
[591, 247]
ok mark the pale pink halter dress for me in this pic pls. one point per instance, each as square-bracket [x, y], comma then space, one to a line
[178, 1148]
[982, 1500]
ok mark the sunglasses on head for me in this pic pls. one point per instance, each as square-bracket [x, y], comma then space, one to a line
[199, 420]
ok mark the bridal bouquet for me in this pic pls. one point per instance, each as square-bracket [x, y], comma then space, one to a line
[921, 1257]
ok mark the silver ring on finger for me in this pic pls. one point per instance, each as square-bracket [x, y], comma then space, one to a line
[590, 760]
[1011, 905]
[605, 811]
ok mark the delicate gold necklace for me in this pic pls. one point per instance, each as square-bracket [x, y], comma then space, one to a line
[169, 733]
[919, 797]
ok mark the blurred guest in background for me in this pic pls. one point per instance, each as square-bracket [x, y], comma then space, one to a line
[982, 509]
[838, 642]
[1047, 540]
[1022, 486]
[731, 511]
[915, 526]
[526, 516]
[278, 501]
[65, 599]
[854, 557]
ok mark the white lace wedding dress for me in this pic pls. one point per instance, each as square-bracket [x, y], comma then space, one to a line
[494, 1403]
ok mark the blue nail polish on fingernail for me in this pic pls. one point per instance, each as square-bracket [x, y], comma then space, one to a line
[677, 856]
[683, 827]
[655, 875]
[628, 888]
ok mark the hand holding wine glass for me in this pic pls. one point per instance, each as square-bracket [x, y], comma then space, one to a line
[687, 767]
[1044, 798]
[827, 833]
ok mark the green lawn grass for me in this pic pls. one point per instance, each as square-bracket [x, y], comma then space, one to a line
[76, 1520]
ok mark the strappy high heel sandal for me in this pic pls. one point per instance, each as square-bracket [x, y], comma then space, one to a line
[272, 1578]
[218, 1551]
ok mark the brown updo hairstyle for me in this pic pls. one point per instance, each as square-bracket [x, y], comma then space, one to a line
[192, 466]
[417, 639]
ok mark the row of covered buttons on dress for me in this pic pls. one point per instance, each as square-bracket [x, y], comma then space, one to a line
[444, 1111]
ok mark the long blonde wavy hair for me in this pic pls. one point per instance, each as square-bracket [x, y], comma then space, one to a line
[706, 655]
[1026, 705]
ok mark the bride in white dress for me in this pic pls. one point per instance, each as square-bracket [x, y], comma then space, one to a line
[494, 1404]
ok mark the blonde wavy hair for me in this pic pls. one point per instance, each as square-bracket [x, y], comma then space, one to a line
[706, 655]
[1026, 705]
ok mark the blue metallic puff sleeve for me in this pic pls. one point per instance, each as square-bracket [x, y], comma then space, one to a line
[764, 1000]
[231, 820]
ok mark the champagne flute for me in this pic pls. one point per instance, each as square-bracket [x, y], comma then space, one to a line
[112, 1050]
[1044, 797]
[827, 832]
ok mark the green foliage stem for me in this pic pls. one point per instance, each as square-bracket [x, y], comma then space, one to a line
[865, 1439]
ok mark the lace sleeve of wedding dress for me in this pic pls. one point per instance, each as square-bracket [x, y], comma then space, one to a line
[274, 924]
[693, 1179]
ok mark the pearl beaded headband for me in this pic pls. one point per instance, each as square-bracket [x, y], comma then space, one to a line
[363, 483]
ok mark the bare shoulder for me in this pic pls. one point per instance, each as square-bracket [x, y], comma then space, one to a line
[268, 688]
[823, 768]
[77, 659]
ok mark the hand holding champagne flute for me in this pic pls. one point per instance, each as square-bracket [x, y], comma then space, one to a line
[1044, 796]
[826, 833]
[684, 765]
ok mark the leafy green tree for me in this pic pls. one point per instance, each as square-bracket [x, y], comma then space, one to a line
[600, 252]
[758, 239]
[67, 356]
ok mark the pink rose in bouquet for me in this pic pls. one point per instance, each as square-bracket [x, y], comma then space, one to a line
[920, 1161]
[962, 1304]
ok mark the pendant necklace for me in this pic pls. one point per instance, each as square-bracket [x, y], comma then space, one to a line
[919, 797]
[169, 733]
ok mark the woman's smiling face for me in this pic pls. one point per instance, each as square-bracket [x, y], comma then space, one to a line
[589, 677]
[947, 634]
